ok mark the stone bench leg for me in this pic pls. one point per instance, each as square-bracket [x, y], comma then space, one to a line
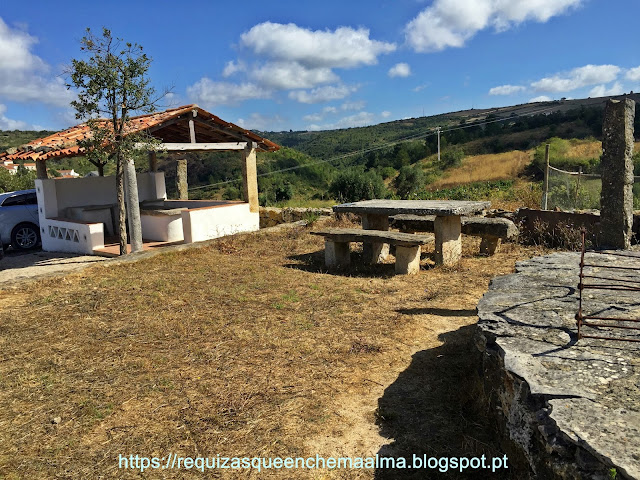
[448, 244]
[407, 260]
[336, 254]
[489, 245]
[375, 252]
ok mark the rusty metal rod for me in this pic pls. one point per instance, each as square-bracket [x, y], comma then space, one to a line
[592, 317]
[622, 288]
[633, 269]
[609, 278]
[587, 324]
[617, 254]
[610, 338]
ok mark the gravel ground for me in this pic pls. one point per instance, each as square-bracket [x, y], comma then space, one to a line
[19, 266]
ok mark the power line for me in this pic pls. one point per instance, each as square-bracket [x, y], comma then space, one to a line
[423, 134]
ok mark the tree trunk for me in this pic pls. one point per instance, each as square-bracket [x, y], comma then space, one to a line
[122, 212]
[100, 169]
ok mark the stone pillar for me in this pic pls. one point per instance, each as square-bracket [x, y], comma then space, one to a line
[489, 245]
[181, 179]
[408, 260]
[448, 243]
[375, 252]
[616, 198]
[250, 178]
[41, 169]
[133, 205]
[336, 254]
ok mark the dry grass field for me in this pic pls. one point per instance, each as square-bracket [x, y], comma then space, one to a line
[244, 347]
[481, 168]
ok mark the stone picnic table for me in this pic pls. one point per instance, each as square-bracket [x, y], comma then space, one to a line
[447, 228]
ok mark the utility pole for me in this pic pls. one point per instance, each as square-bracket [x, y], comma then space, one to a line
[438, 130]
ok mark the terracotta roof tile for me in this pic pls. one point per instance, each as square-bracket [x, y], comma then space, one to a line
[64, 144]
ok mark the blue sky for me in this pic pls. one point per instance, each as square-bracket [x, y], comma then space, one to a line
[305, 65]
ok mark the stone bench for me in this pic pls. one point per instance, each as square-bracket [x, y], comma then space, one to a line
[492, 230]
[337, 254]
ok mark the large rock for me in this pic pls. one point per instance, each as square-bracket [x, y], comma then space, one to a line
[570, 408]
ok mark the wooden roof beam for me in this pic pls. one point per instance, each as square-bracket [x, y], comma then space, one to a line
[195, 147]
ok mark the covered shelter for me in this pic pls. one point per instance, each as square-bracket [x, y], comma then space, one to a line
[77, 214]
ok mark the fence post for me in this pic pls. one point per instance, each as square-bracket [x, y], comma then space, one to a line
[575, 203]
[545, 190]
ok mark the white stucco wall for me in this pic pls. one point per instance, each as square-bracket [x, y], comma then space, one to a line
[161, 228]
[61, 236]
[212, 222]
[58, 197]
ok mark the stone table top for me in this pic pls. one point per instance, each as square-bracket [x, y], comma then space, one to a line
[415, 207]
[592, 386]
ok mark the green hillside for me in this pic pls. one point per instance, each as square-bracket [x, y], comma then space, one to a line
[390, 159]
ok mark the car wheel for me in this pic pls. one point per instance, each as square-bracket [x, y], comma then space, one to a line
[25, 236]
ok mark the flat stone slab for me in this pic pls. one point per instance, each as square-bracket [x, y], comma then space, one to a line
[592, 386]
[476, 226]
[360, 235]
[160, 212]
[415, 207]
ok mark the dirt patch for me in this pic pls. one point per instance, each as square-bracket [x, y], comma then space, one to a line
[20, 266]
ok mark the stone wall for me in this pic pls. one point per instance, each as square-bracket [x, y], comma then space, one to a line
[527, 219]
[272, 216]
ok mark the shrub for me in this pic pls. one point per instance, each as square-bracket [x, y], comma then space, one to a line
[451, 157]
[410, 182]
[231, 193]
[22, 180]
[388, 172]
[354, 184]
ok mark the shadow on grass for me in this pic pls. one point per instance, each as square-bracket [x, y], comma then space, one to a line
[314, 262]
[433, 409]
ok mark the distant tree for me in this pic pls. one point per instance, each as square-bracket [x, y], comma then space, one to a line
[23, 179]
[451, 157]
[354, 184]
[410, 182]
[112, 83]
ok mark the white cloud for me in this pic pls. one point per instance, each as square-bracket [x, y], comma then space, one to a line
[322, 94]
[358, 120]
[358, 105]
[541, 98]
[345, 47]
[603, 91]
[346, 106]
[291, 75]
[450, 23]
[385, 114]
[506, 90]
[25, 77]
[258, 121]
[420, 87]
[231, 68]
[577, 78]
[210, 93]
[286, 57]
[400, 70]
[9, 124]
[314, 117]
[633, 74]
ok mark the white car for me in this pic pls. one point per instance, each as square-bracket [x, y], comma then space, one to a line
[19, 225]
